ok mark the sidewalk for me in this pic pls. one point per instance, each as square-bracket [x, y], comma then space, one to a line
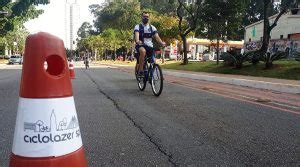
[279, 85]
[273, 84]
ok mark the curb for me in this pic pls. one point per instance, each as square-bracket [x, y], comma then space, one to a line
[279, 87]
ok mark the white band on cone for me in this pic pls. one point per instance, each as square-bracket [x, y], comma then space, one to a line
[46, 127]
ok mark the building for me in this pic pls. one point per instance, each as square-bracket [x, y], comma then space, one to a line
[72, 16]
[284, 37]
[199, 48]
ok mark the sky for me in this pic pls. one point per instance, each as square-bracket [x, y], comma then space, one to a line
[52, 20]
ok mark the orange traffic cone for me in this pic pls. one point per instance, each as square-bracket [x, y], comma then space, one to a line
[72, 71]
[47, 132]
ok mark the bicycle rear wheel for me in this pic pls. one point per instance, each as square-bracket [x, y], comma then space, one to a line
[157, 80]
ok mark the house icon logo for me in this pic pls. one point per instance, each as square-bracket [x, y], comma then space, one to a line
[54, 126]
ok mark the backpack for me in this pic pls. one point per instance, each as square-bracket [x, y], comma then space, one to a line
[143, 34]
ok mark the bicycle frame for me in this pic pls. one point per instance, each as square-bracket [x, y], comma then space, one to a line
[149, 61]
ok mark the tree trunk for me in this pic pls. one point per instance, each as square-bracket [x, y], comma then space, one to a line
[266, 32]
[218, 50]
[115, 52]
[185, 58]
[269, 65]
[95, 56]
[124, 54]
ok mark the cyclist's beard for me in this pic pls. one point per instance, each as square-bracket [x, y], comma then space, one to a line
[145, 20]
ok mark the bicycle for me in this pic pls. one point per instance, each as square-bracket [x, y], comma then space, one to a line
[152, 74]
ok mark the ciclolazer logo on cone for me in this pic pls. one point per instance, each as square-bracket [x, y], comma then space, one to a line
[55, 130]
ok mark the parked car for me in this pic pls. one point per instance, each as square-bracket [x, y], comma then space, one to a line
[6, 57]
[173, 56]
[15, 59]
[207, 56]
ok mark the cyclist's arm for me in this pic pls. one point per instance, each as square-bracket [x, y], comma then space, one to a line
[136, 36]
[158, 39]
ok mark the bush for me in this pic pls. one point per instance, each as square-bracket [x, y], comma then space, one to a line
[297, 56]
[269, 58]
[235, 59]
[253, 56]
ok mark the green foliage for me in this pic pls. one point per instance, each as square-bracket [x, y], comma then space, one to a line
[235, 59]
[108, 40]
[114, 27]
[11, 25]
[222, 19]
[189, 16]
[19, 12]
[269, 58]
[254, 56]
[167, 26]
[85, 30]
[18, 36]
[297, 56]
[281, 69]
[122, 16]
[254, 11]
[161, 6]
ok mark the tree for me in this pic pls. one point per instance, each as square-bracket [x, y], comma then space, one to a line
[85, 30]
[115, 23]
[12, 30]
[15, 40]
[113, 42]
[167, 26]
[221, 20]
[268, 8]
[19, 13]
[188, 18]
[121, 16]
[283, 8]
[161, 6]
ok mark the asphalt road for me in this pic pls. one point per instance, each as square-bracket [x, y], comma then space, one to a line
[122, 126]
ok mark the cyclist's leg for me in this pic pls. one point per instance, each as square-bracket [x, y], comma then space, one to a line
[136, 56]
[149, 52]
[142, 52]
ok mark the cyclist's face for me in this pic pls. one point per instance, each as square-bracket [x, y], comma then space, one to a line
[145, 15]
[145, 18]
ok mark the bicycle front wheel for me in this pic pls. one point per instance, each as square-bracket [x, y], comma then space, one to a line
[157, 80]
[136, 71]
[141, 83]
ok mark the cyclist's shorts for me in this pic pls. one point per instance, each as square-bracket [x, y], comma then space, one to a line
[149, 50]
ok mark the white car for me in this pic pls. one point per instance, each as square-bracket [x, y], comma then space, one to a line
[15, 59]
[207, 57]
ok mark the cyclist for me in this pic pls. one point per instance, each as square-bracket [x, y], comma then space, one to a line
[143, 34]
[86, 62]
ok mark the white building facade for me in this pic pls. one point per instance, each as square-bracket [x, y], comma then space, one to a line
[72, 18]
[284, 37]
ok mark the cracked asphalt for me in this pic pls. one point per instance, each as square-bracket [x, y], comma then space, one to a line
[122, 126]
